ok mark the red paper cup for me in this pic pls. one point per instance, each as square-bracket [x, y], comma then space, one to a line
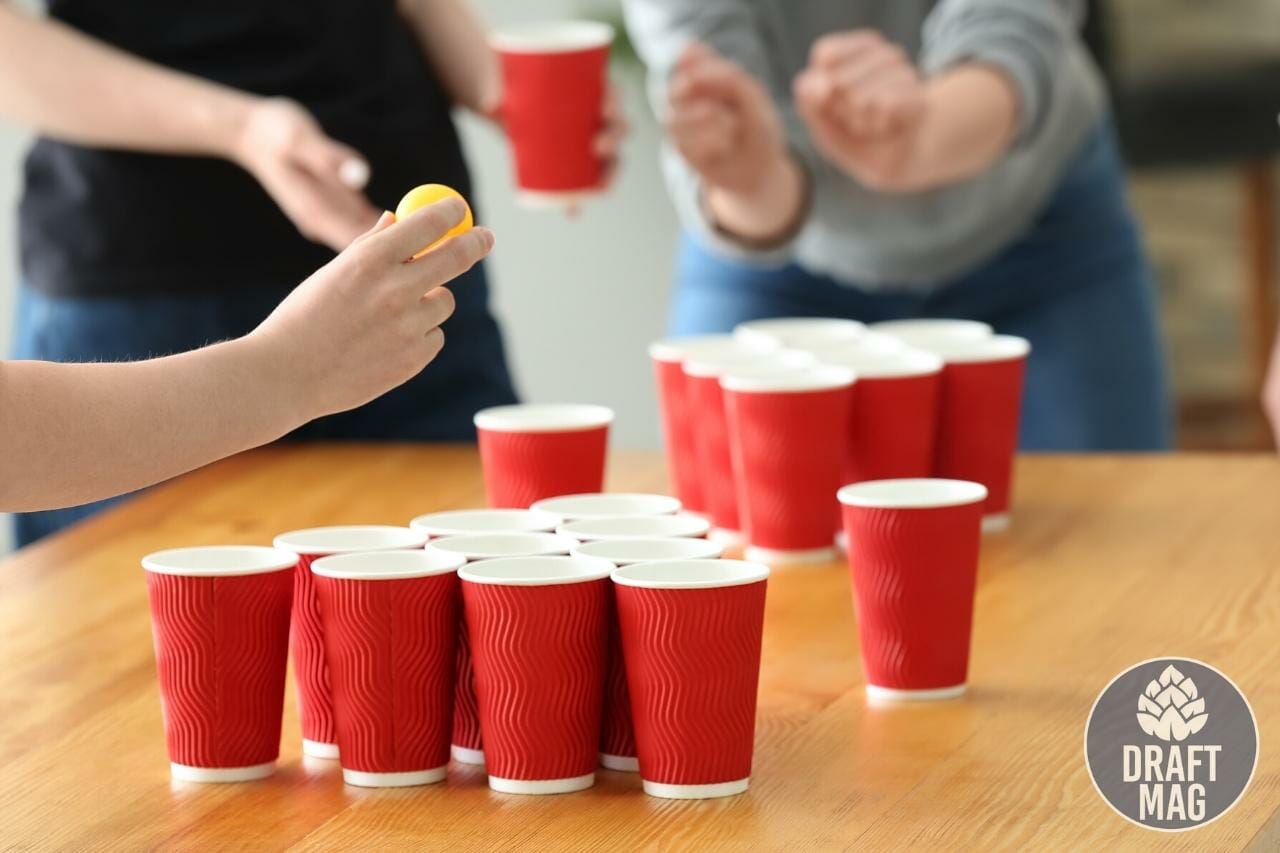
[691, 632]
[978, 416]
[933, 332]
[539, 634]
[306, 638]
[798, 332]
[678, 424]
[220, 621]
[531, 452]
[788, 436]
[553, 78]
[680, 525]
[706, 402]
[464, 522]
[601, 505]
[390, 628]
[913, 555]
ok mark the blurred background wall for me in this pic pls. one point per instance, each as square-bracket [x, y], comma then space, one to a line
[1184, 71]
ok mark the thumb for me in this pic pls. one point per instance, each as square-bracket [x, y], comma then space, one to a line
[327, 158]
[385, 221]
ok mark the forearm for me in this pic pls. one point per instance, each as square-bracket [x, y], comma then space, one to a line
[456, 44]
[74, 433]
[765, 215]
[64, 84]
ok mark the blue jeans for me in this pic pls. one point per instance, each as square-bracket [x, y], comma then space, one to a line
[437, 405]
[1077, 284]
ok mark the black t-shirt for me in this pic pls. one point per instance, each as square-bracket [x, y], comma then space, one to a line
[106, 222]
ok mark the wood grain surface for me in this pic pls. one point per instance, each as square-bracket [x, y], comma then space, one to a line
[1111, 560]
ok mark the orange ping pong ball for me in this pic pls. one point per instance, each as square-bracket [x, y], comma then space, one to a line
[425, 194]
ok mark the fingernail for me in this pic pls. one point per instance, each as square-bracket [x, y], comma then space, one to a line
[354, 173]
[387, 216]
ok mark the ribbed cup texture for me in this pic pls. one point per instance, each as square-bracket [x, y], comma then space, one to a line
[523, 467]
[221, 652]
[617, 734]
[466, 713]
[539, 654]
[893, 427]
[978, 426]
[788, 450]
[914, 572]
[310, 670]
[693, 667]
[391, 647]
[678, 434]
[706, 401]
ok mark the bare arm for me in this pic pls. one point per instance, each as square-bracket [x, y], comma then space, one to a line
[454, 40]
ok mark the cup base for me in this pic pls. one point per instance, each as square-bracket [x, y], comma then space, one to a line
[696, 792]
[622, 763]
[466, 755]
[542, 786]
[394, 780]
[726, 537]
[774, 557]
[187, 773]
[319, 749]
[553, 199]
[996, 522]
[894, 694]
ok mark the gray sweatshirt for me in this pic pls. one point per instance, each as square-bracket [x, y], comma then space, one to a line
[864, 238]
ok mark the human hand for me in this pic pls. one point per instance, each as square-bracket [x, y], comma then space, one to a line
[316, 180]
[369, 320]
[863, 101]
[1271, 391]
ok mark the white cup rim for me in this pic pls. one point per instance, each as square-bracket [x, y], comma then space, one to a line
[994, 348]
[543, 417]
[598, 528]
[796, 331]
[894, 364]
[690, 574]
[704, 346]
[489, 546]
[567, 36]
[387, 565]
[752, 364]
[600, 504]
[912, 493]
[211, 561]
[348, 538]
[624, 552]
[922, 330]
[536, 571]
[464, 522]
[820, 378]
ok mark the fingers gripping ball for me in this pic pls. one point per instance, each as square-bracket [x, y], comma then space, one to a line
[425, 194]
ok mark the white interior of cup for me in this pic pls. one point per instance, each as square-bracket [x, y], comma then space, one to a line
[543, 417]
[626, 551]
[995, 348]
[681, 524]
[485, 546]
[387, 565]
[820, 378]
[870, 343]
[536, 571]
[599, 505]
[934, 331]
[706, 347]
[885, 365]
[552, 37]
[347, 538]
[219, 561]
[466, 521]
[753, 363]
[691, 574]
[920, 493]
[800, 331]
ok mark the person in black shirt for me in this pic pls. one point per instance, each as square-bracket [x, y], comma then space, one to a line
[198, 159]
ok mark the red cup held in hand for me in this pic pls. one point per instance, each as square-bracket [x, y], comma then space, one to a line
[536, 451]
[220, 622]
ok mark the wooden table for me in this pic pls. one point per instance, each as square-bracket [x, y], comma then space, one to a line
[1110, 560]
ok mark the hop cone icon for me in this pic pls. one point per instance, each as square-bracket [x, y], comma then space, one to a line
[1171, 707]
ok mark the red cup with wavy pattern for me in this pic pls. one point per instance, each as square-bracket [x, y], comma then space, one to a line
[787, 435]
[978, 417]
[306, 637]
[539, 632]
[468, 745]
[220, 622]
[390, 628]
[691, 633]
[536, 451]
[913, 557]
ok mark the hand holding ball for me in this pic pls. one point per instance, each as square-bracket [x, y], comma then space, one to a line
[426, 194]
